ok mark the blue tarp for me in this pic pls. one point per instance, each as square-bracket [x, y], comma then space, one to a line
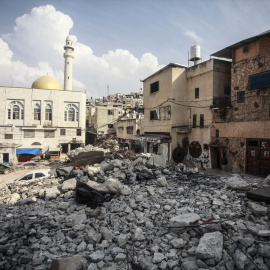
[31, 151]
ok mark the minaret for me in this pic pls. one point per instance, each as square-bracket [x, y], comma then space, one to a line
[68, 55]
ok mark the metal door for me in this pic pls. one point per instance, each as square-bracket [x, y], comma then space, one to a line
[258, 156]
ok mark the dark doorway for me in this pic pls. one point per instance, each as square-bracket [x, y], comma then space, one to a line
[6, 157]
[215, 157]
[64, 148]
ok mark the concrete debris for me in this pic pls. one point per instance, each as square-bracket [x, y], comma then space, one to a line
[261, 194]
[109, 148]
[238, 183]
[133, 214]
[210, 246]
[257, 209]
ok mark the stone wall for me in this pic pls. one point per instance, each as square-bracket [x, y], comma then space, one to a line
[235, 152]
[256, 104]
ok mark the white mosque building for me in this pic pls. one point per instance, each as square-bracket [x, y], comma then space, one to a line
[42, 118]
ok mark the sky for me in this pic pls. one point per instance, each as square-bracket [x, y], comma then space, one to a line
[117, 43]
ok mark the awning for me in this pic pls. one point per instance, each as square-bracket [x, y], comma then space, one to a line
[31, 151]
[160, 138]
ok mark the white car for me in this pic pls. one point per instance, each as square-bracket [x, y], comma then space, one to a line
[33, 176]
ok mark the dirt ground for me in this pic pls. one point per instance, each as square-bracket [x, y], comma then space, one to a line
[6, 178]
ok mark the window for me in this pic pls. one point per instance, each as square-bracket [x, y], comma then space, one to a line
[227, 90]
[110, 112]
[241, 97]
[194, 121]
[28, 177]
[15, 110]
[259, 80]
[37, 112]
[153, 115]
[217, 133]
[201, 120]
[8, 136]
[197, 92]
[154, 87]
[48, 112]
[49, 134]
[130, 130]
[110, 126]
[62, 131]
[29, 133]
[71, 113]
[79, 132]
[38, 175]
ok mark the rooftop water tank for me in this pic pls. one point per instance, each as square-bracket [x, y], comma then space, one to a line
[195, 53]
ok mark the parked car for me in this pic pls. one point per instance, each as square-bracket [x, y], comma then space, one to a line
[35, 175]
[30, 164]
[5, 168]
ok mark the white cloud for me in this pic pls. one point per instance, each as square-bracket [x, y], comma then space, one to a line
[193, 35]
[38, 39]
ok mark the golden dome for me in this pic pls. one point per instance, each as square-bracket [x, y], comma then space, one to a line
[46, 82]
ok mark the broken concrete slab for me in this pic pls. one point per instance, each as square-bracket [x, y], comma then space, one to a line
[69, 263]
[69, 184]
[260, 194]
[257, 209]
[238, 183]
[210, 246]
[110, 186]
[184, 220]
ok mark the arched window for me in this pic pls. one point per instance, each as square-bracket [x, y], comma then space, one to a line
[15, 110]
[37, 112]
[71, 113]
[48, 112]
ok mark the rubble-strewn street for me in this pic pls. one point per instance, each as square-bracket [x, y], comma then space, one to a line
[150, 218]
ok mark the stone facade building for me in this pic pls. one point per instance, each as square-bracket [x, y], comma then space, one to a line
[241, 132]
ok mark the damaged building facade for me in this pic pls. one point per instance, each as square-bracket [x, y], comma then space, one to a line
[241, 132]
[178, 113]
[128, 130]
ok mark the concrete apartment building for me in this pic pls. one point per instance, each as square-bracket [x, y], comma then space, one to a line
[242, 134]
[178, 114]
[104, 118]
[128, 130]
[43, 117]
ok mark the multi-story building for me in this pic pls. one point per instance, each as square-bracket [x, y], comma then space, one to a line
[40, 119]
[177, 106]
[241, 133]
[104, 118]
[128, 130]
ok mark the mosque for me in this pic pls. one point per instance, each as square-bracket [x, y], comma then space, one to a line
[44, 118]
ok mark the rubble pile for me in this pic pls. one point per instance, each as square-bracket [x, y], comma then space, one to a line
[150, 217]
[109, 148]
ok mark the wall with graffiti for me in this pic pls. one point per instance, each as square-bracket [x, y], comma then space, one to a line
[203, 161]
